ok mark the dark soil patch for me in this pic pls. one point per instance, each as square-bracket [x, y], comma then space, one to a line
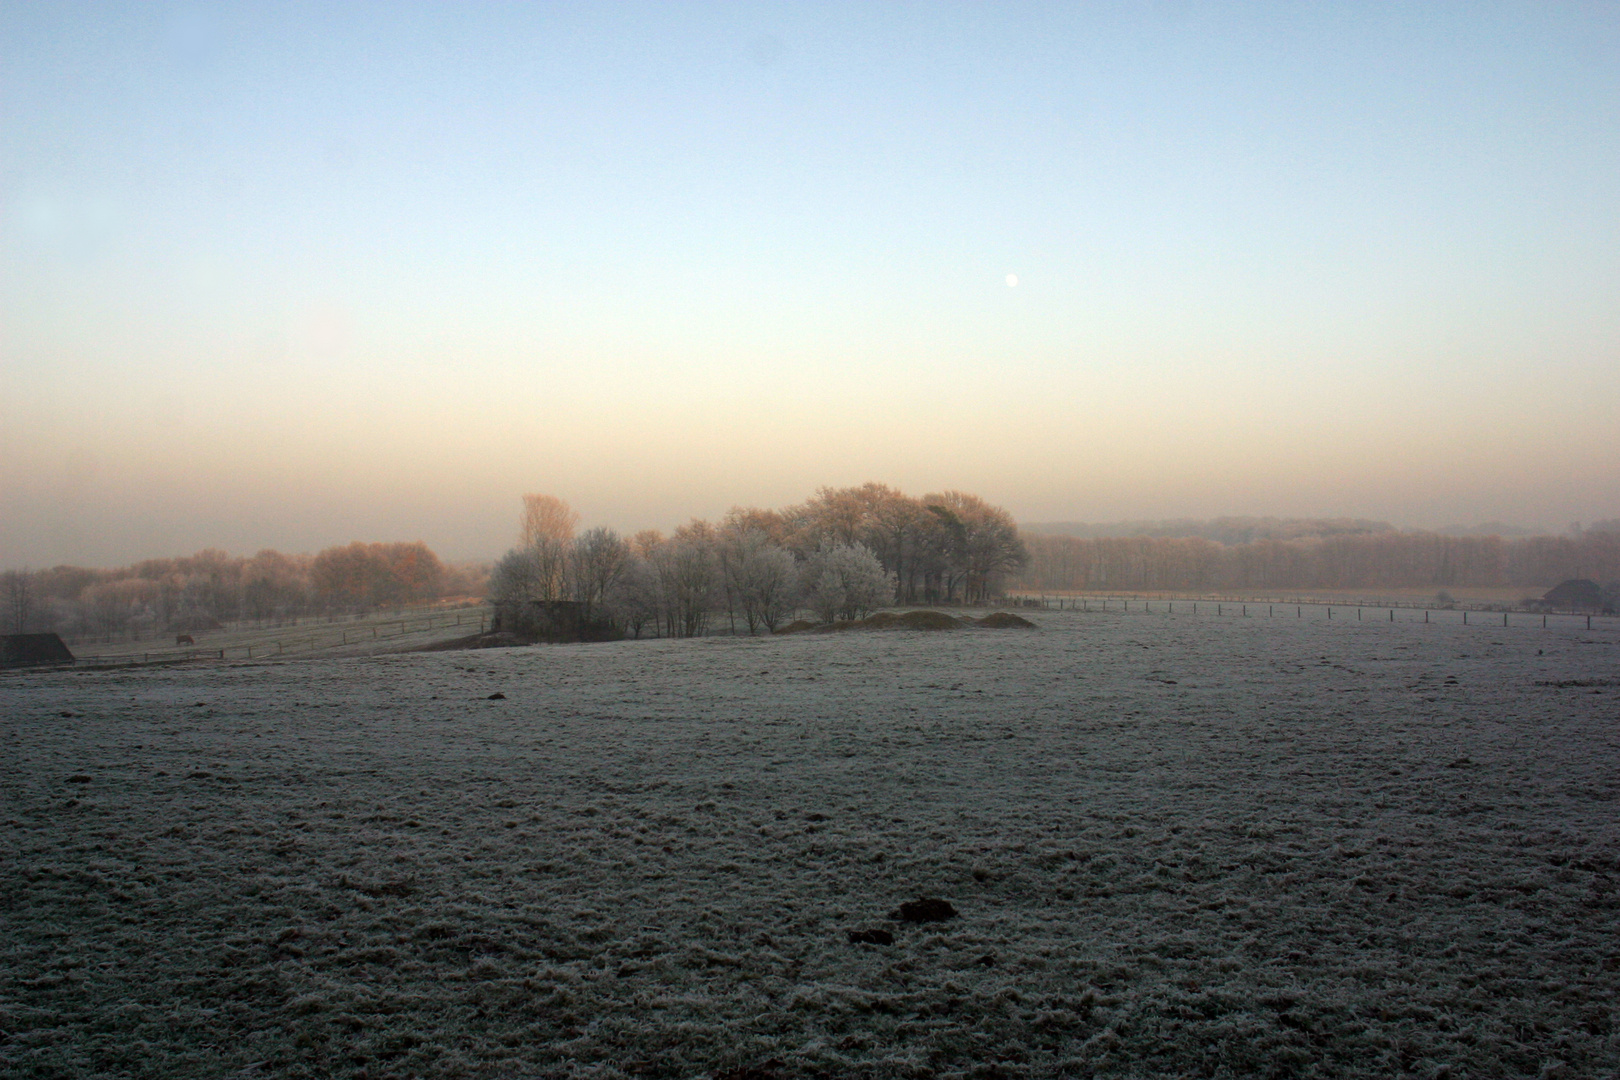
[929, 909]
[1004, 620]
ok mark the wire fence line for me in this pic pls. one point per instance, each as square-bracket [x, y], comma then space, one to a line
[1320, 609]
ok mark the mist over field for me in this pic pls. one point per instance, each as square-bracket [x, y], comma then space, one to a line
[287, 279]
[769, 541]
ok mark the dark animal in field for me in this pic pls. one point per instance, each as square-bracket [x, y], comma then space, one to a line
[184, 639]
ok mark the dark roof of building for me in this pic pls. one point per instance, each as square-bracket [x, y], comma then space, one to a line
[1576, 592]
[21, 650]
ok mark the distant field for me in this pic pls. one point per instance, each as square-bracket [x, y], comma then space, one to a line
[1372, 596]
[361, 635]
[1178, 846]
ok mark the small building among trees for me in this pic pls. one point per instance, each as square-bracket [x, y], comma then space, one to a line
[1576, 594]
[28, 650]
[554, 621]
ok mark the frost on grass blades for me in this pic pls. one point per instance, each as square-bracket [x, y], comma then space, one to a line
[1172, 847]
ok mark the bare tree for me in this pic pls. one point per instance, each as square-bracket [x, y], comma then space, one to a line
[547, 517]
[17, 594]
[596, 561]
[547, 530]
[685, 569]
[634, 598]
[983, 541]
[515, 578]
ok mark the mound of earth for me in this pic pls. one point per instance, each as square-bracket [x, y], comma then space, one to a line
[912, 620]
[492, 640]
[1004, 620]
[891, 620]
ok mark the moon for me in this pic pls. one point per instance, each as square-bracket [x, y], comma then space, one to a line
[1012, 281]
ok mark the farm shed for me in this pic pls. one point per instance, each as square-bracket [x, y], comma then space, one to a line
[24, 650]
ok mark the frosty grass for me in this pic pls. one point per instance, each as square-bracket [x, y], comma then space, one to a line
[1178, 845]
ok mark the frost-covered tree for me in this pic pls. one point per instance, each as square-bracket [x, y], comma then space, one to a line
[687, 574]
[762, 578]
[633, 599]
[516, 577]
[595, 563]
[846, 581]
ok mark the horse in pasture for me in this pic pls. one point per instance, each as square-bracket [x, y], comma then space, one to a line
[185, 639]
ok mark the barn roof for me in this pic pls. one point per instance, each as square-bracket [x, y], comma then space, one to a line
[22, 650]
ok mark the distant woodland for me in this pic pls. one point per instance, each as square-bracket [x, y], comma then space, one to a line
[840, 554]
[1332, 554]
[197, 592]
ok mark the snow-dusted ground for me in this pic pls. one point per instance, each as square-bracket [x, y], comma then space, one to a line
[1179, 846]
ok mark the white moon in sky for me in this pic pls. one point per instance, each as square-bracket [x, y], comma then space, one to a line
[1012, 281]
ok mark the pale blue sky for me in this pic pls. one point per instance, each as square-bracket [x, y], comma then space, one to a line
[295, 274]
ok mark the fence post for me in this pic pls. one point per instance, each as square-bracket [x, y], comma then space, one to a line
[1465, 618]
[1391, 614]
[1504, 618]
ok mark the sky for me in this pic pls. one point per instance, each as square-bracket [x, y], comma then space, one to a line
[294, 274]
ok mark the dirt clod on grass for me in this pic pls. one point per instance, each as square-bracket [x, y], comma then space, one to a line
[928, 909]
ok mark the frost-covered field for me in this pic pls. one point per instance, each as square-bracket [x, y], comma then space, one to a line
[1179, 846]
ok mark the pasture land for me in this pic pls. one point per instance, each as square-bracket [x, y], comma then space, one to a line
[1177, 846]
[345, 635]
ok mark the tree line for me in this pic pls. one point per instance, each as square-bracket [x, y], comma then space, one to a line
[159, 596]
[840, 554]
[1389, 559]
